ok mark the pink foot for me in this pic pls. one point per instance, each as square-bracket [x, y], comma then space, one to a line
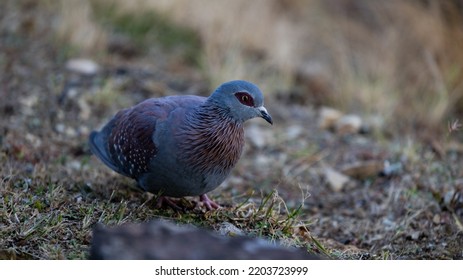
[165, 201]
[208, 203]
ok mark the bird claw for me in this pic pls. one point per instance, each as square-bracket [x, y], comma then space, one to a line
[208, 203]
[165, 201]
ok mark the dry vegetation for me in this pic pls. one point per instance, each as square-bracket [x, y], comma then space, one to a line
[397, 64]
[373, 57]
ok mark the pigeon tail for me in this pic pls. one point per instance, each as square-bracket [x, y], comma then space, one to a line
[97, 146]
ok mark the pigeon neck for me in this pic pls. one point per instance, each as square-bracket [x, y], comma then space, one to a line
[215, 140]
[212, 112]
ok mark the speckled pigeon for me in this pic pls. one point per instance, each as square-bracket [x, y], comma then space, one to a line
[179, 146]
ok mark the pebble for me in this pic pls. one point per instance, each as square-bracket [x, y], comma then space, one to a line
[85, 110]
[415, 235]
[349, 124]
[74, 164]
[327, 117]
[263, 160]
[336, 180]
[66, 130]
[34, 140]
[82, 66]
[392, 168]
[229, 229]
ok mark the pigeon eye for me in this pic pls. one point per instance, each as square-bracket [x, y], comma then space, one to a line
[245, 99]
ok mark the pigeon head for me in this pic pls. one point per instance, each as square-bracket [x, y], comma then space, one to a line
[241, 100]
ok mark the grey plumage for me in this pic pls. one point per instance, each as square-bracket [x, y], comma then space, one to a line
[180, 145]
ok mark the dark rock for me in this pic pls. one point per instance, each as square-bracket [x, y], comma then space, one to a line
[164, 240]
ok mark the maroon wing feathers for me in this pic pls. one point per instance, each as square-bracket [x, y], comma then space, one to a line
[130, 142]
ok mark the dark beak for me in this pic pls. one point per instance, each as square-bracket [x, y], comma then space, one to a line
[265, 115]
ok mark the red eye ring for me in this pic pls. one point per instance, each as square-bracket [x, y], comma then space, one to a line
[245, 98]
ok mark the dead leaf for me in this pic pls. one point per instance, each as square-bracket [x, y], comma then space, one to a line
[363, 169]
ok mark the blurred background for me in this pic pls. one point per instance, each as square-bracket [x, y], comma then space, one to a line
[400, 60]
[363, 160]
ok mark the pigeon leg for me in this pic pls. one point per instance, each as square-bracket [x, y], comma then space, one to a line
[208, 203]
[165, 201]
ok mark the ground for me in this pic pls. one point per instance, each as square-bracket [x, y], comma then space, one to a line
[53, 191]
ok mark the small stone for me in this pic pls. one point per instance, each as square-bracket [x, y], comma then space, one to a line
[449, 197]
[85, 110]
[335, 179]
[415, 235]
[436, 219]
[328, 117]
[29, 101]
[389, 225]
[71, 132]
[263, 160]
[392, 168]
[83, 130]
[60, 128]
[34, 140]
[82, 66]
[229, 229]
[72, 93]
[66, 130]
[74, 164]
[28, 104]
[349, 124]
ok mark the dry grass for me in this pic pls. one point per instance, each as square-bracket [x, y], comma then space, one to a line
[46, 219]
[397, 59]
[76, 26]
